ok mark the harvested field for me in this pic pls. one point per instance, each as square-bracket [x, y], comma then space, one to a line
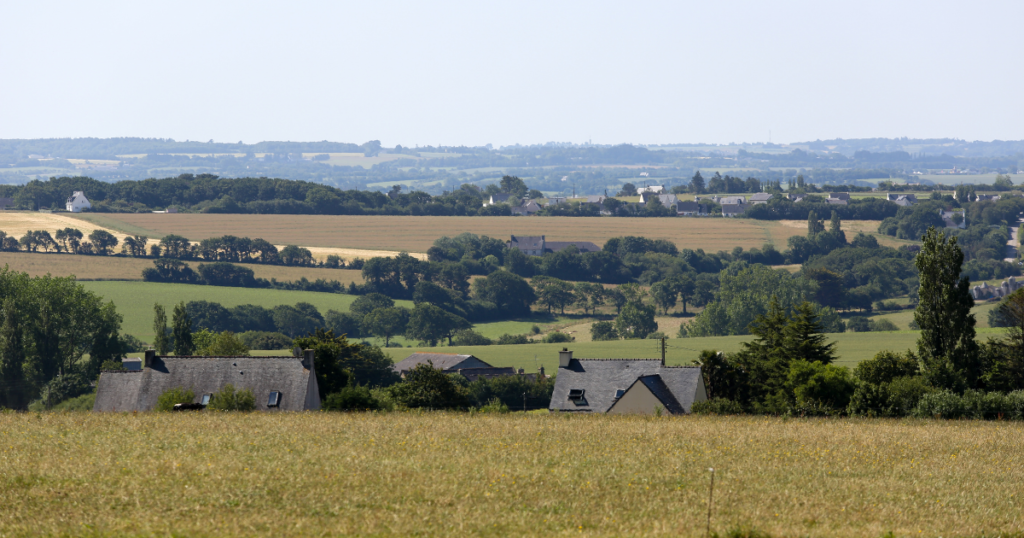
[457, 474]
[123, 268]
[417, 234]
[16, 223]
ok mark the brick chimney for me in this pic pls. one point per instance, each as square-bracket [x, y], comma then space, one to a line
[564, 357]
[148, 358]
[307, 359]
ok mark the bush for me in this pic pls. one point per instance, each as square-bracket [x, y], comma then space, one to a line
[130, 344]
[510, 390]
[657, 335]
[717, 406]
[469, 337]
[177, 395]
[265, 340]
[494, 405]
[228, 399]
[896, 398]
[941, 404]
[557, 338]
[535, 329]
[512, 339]
[881, 325]
[61, 388]
[858, 325]
[112, 366]
[886, 366]
[603, 330]
[822, 384]
[426, 386]
[352, 398]
[84, 402]
[224, 344]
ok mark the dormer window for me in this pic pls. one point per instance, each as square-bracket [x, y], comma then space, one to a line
[576, 396]
[274, 400]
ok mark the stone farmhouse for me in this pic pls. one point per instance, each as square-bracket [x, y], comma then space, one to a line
[279, 383]
[534, 245]
[77, 202]
[902, 200]
[625, 386]
[983, 291]
[468, 366]
[526, 209]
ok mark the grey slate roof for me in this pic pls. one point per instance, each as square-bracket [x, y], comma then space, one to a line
[761, 197]
[441, 361]
[501, 197]
[527, 242]
[472, 374]
[660, 390]
[584, 246]
[601, 378]
[836, 201]
[139, 390]
[840, 195]
[734, 209]
[687, 207]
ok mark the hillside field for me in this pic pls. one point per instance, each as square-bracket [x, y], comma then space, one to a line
[123, 268]
[418, 233]
[460, 474]
[134, 300]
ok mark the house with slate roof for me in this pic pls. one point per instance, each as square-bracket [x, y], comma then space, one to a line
[528, 208]
[625, 386]
[446, 362]
[77, 202]
[278, 383]
[538, 245]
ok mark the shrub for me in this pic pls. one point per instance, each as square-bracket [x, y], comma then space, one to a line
[941, 404]
[896, 398]
[512, 339]
[886, 366]
[469, 337]
[493, 405]
[603, 330]
[535, 329]
[130, 344]
[717, 406]
[84, 402]
[265, 340]
[426, 386]
[112, 366]
[352, 398]
[510, 390]
[177, 395]
[882, 325]
[858, 325]
[228, 399]
[224, 344]
[60, 388]
[657, 335]
[557, 338]
[824, 384]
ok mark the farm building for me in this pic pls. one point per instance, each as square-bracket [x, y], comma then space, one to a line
[534, 245]
[77, 202]
[625, 386]
[904, 200]
[688, 209]
[947, 218]
[527, 209]
[761, 198]
[447, 362]
[734, 210]
[278, 383]
[667, 200]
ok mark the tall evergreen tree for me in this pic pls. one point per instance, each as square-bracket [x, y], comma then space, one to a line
[764, 358]
[182, 330]
[803, 337]
[160, 341]
[947, 345]
[813, 224]
[697, 183]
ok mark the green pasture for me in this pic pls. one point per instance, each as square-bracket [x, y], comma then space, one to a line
[135, 300]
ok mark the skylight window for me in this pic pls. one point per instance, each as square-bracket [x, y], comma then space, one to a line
[275, 399]
[576, 396]
[619, 393]
[206, 399]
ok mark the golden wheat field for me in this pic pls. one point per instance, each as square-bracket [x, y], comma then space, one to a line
[418, 233]
[123, 268]
[451, 474]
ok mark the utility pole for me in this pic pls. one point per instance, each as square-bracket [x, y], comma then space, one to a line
[663, 351]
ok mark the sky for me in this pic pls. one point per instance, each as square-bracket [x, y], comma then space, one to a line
[475, 73]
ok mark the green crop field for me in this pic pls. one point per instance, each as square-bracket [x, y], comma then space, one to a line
[461, 474]
[418, 233]
[134, 300]
[120, 268]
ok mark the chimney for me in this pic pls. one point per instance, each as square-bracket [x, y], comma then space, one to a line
[148, 358]
[564, 357]
[307, 359]
[542, 371]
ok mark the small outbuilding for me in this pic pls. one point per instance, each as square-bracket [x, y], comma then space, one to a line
[446, 362]
[278, 383]
[625, 386]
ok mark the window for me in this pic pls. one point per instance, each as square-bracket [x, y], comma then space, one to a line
[206, 399]
[576, 396]
[619, 393]
[275, 399]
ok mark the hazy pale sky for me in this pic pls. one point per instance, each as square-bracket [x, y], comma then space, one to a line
[512, 72]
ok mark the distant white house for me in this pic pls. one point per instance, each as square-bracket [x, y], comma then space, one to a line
[77, 202]
[653, 189]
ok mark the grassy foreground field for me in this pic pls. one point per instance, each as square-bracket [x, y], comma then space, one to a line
[417, 234]
[444, 474]
[134, 300]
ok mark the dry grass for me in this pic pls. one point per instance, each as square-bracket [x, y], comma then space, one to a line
[16, 223]
[118, 268]
[417, 234]
[442, 474]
